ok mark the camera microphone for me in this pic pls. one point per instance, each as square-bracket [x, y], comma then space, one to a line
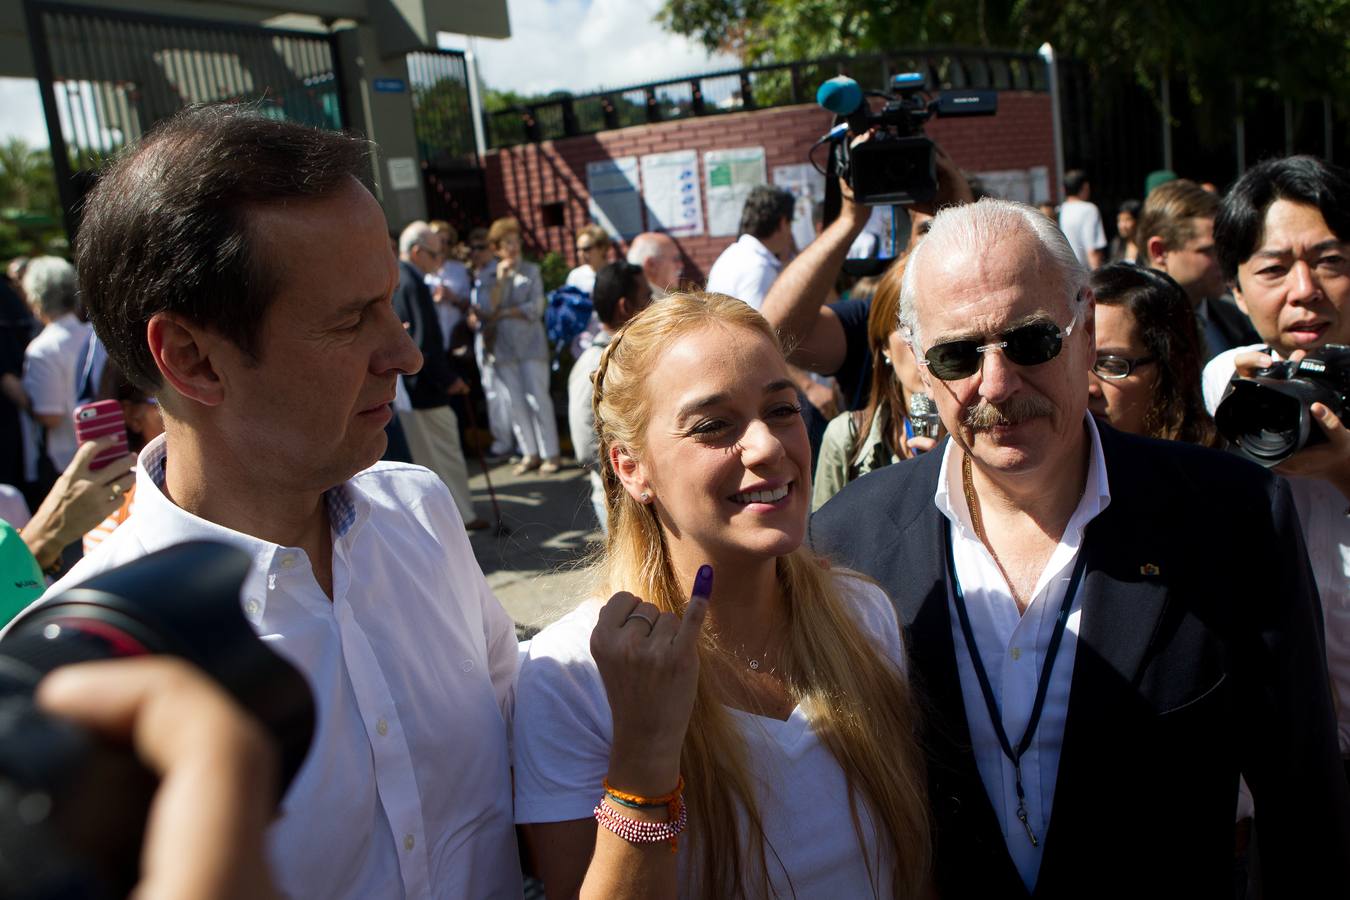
[841, 95]
[923, 416]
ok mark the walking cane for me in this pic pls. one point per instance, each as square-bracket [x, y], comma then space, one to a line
[499, 529]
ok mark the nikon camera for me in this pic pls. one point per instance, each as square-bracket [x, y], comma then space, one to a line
[1267, 418]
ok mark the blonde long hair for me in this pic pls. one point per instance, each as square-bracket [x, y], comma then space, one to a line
[860, 705]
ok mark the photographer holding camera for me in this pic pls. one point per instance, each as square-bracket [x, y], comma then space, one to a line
[1283, 236]
[831, 339]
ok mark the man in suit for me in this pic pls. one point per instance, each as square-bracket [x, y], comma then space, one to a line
[433, 430]
[1108, 630]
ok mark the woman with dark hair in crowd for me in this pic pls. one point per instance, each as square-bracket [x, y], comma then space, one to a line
[881, 433]
[1146, 379]
[1123, 248]
[767, 737]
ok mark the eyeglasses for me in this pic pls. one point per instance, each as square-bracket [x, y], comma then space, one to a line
[1027, 345]
[1117, 367]
[584, 248]
[439, 254]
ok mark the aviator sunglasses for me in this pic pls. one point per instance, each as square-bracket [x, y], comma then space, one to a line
[1026, 345]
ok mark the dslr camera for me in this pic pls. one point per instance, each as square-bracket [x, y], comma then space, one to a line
[898, 165]
[1266, 418]
[73, 806]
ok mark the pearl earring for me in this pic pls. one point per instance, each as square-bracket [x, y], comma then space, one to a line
[646, 497]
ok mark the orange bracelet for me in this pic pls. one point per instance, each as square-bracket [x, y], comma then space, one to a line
[638, 800]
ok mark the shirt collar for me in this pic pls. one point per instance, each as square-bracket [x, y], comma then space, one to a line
[756, 246]
[1096, 491]
[160, 523]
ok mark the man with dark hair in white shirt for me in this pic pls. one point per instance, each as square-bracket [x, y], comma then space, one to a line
[237, 267]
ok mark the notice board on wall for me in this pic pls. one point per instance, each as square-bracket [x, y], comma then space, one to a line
[615, 201]
[670, 192]
[730, 175]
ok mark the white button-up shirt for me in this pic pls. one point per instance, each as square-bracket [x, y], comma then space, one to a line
[1012, 648]
[745, 270]
[406, 791]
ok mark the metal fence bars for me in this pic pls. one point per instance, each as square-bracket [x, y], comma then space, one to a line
[107, 76]
[758, 87]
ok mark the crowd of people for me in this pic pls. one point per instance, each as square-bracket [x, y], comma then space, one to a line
[939, 586]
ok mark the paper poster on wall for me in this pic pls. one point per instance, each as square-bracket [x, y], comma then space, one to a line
[1023, 185]
[808, 186]
[670, 191]
[403, 174]
[615, 204]
[730, 175]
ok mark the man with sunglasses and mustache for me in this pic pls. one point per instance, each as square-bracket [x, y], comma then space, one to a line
[1109, 630]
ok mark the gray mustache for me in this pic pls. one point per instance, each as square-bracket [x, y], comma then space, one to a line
[1011, 412]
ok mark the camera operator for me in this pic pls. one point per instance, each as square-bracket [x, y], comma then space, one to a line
[238, 268]
[1283, 236]
[218, 770]
[831, 339]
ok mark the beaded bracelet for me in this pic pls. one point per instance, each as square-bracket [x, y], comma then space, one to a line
[638, 831]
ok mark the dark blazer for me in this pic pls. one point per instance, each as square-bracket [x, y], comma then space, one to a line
[1200, 657]
[415, 308]
[1229, 326]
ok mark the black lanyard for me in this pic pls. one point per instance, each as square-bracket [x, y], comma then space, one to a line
[1041, 689]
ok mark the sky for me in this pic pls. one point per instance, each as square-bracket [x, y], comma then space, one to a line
[576, 45]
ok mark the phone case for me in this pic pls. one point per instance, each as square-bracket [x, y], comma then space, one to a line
[102, 419]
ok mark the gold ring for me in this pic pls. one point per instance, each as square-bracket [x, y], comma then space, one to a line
[651, 626]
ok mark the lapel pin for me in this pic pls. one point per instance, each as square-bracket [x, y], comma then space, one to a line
[1150, 570]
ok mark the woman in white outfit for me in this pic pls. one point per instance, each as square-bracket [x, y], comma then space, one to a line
[739, 725]
[510, 309]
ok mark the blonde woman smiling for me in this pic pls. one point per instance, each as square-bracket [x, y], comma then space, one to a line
[735, 700]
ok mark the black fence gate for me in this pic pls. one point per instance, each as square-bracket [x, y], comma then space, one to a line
[107, 76]
[443, 121]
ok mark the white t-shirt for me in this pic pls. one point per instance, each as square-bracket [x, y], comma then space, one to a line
[51, 370]
[563, 733]
[1081, 223]
[745, 270]
[1322, 511]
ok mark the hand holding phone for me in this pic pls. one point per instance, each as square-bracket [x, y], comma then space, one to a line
[102, 419]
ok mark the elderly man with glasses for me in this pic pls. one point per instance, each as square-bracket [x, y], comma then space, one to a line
[1097, 682]
[433, 430]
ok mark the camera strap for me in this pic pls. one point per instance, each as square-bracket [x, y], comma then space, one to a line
[1014, 755]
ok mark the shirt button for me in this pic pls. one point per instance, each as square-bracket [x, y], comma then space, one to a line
[408, 842]
[252, 607]
[466, 666]
[382, 727]
[1016, 653]
[287, 561]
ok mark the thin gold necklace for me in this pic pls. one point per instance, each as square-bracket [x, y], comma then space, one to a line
[973, 504]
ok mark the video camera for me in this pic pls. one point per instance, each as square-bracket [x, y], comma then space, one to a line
[898, 165]
[1267, 417]
[73, 806]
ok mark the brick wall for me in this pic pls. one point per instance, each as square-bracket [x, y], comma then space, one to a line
[520, 180]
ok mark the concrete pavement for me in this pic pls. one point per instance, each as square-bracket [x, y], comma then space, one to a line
[537, 570]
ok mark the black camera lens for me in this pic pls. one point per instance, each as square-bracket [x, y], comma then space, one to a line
[72, 806]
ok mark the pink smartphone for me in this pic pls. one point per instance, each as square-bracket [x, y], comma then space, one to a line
[102, 419]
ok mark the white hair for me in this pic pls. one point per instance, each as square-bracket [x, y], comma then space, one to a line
[647, 245]
[977, 228]
[414, 234]
[49, 282]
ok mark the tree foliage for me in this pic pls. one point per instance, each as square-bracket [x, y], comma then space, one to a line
[1299, 47]
[30, 211]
